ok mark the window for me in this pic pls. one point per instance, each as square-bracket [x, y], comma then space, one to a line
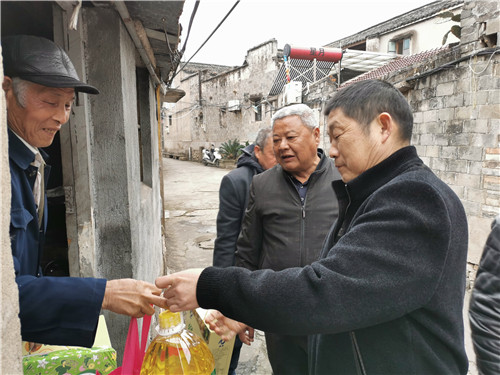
[144, 126]
[399, 46]
[257, 108]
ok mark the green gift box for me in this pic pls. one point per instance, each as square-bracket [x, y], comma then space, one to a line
[74, 361]
[71, 360]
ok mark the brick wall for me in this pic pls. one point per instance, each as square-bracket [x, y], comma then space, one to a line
[455, 97]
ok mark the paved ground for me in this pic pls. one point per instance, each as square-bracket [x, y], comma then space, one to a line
[191, 202]
[191, 205]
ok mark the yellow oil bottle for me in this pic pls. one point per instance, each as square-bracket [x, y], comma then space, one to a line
[177, 351]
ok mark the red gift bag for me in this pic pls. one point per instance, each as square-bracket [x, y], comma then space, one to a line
[134, 352]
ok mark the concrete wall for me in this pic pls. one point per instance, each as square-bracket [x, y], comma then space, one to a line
[198, 126]
[10, 341]
[456, 119]
[126, 210]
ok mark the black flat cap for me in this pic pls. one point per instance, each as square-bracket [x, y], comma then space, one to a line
[41, 61]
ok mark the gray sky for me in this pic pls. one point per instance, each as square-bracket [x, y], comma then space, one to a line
[306, 23]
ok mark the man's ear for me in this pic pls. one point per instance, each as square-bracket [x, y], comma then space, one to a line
[7, 84]
[386, 126]
[316, 135]
[257, 151]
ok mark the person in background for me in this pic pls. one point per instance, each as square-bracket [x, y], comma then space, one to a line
[386, 294]
[484, 307]
[233, 200]
[40, 84]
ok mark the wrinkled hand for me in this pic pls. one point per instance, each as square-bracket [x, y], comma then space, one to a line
[228, 328]
[180, 289]
[131, 297]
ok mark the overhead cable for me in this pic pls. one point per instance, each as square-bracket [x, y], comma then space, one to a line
[212, 33]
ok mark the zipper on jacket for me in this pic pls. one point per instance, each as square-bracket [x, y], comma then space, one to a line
[360, 367]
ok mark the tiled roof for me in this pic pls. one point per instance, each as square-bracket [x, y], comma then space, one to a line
[398, 64]
[403, 20]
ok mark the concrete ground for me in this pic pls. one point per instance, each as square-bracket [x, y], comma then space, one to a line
[191, 205]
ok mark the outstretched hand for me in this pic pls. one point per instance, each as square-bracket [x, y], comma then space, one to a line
[131, 297]
[228, 328]
[180, 289]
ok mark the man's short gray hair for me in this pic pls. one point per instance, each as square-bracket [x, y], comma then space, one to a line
[20, 88]
[262, 137]
[305, 113]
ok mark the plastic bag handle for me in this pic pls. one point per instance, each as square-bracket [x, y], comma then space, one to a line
[134, 354]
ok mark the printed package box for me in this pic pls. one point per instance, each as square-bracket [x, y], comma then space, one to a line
[221, 350]
[51, 359]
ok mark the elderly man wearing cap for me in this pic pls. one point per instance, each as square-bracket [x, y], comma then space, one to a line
[40, 84]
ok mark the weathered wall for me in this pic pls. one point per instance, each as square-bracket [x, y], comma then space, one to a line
[10, 342]
[213, 122]
[127, 211]
[457, 119]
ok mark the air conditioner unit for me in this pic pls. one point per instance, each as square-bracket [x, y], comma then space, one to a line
[233, 105]
[292, 93]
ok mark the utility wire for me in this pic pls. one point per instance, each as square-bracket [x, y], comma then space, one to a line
[213, 32]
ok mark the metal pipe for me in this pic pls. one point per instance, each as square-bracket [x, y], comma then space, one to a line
[129, 24]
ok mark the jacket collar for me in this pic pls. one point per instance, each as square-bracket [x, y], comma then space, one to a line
[321, 165]
[377, 176]
[19, 153]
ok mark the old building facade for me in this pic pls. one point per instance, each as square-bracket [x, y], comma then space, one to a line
[221, 103]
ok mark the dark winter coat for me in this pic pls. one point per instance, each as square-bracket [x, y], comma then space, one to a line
[278, 231]
[484, 309]
[386, 295]
[233, 200]
[52, 310]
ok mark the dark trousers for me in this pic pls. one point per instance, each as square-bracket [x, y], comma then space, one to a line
[235, 356]
[287, 354]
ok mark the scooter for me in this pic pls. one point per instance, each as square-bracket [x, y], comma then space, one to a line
[211, 158]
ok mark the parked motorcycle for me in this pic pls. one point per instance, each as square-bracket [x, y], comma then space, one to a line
[211, 157]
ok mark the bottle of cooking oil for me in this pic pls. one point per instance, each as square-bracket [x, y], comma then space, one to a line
[176, 351]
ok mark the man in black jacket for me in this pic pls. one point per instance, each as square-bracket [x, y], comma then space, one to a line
[233, 200]
[484, 308]
[386, 294]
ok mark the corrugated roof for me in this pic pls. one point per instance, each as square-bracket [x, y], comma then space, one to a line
[395, 65]
[303, 70]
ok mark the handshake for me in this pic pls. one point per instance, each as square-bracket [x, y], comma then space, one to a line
[176, 292]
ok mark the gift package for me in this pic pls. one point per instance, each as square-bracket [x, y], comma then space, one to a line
[221, 350]
[71, 360]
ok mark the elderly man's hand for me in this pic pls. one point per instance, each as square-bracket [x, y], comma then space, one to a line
[180, 289]
[131, 297]
[227, 328]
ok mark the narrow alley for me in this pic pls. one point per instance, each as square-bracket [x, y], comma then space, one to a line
[191, 205]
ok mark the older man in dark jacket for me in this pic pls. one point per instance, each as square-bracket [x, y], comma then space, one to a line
[386, 295]
[290, 209]
[233, 201]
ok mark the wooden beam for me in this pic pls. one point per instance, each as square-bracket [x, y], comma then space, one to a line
[141, 33]
[158, 35]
